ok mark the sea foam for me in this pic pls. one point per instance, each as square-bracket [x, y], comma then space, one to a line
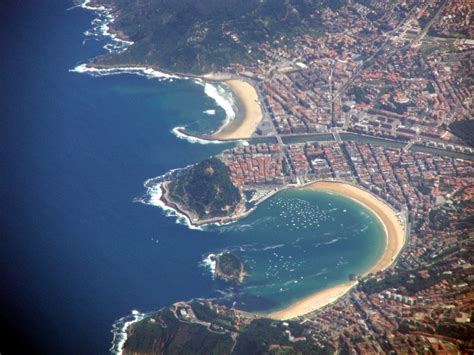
[180, 133]
[224, 98]
[210, 263]
[119, 330]
[101, 28]
[147, 72]
[153, 197]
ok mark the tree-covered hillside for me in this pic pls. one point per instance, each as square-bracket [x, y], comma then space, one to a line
[206, 189]
[167, 335]
[198, 36]
[209, 332]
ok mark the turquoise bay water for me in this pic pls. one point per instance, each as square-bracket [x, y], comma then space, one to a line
[77, 251]
[300, 242]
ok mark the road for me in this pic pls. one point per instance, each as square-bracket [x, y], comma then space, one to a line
[368, 62]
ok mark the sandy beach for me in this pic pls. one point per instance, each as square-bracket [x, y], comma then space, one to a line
[246, 126]
[313, 302]
[395, 240]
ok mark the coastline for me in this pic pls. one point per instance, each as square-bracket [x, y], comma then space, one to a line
[313, 302]
[395, 237]
[194, 220]
[236, 128]
[394, 230]
[395, 234]
[244, 127]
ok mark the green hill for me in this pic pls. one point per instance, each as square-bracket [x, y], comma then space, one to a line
[198, 36]
[206, 190]
[165, 334]
[205, 331]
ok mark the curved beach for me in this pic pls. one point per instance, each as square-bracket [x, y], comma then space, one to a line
[395, 240]
[242, 127]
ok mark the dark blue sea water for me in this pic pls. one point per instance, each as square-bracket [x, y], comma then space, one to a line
[77, 252]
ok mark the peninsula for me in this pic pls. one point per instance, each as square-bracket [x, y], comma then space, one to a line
[204, 193]
[201, 327]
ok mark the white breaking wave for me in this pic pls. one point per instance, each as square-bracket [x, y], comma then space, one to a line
[101, 28]
[154, 194]
[119, 330]
[222, 96]
[153, 197]
[209, 263]
[179, 132]
[147, 72]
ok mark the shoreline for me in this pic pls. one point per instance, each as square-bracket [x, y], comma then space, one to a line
[242, 128]
[394, 231]
[395, 234]
[220, 274]
[245, 126]
[313, 302]
[240, 211]
[238, 128]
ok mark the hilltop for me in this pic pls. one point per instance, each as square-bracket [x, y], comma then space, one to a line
[205, 192]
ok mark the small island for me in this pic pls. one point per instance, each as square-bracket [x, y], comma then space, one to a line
[204, 193]
[229, 267]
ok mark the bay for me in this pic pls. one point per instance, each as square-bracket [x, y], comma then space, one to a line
[78, 251]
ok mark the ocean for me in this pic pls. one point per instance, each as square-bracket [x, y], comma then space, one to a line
[83, 242]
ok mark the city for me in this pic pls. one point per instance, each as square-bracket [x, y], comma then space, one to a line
[405, 78]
